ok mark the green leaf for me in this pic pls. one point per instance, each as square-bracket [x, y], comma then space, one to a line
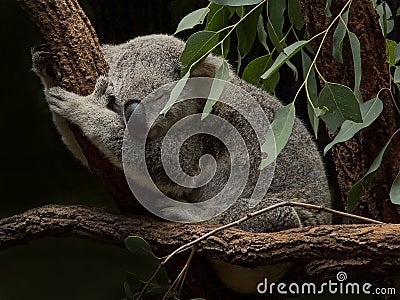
[217, 88]
[278, 134]
[256, 68]
[327, 8]
[236, 2]
[398, 12]
[176, 91]
[391, 46]
[218, 17]
[295, 14]
[133, 281]
[276, 11]
[247, 31]
[370, 110]
[284, 56]
[396, 77]
[358, 188]
[137, 245]
[312, 91]
[194, 18]
[262, 34]
[395, 190]
[338, 37]
[397, 53]
[355, 49]
[385, 15]
[145, 261]
[198, 46]
[341, 103]
[274, 37]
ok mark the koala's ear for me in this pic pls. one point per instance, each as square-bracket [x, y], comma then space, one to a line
[208, 67]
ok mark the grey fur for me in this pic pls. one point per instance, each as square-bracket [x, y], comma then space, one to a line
[142, 65]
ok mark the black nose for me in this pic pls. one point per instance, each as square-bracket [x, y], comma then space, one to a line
[129, 107]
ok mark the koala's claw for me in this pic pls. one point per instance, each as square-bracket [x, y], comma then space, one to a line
[102, 84]
[41, 57]
[41, 64]
[61, 102]
[40, 48]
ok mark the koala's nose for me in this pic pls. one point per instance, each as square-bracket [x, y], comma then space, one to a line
[130, 106]
[138, 126]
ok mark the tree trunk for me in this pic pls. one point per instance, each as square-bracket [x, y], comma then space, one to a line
[353, 158]
[78, 63]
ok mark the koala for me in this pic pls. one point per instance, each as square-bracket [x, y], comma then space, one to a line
[141, 66]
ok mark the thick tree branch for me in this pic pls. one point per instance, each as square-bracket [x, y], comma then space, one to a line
[372, 243]
[77, 65]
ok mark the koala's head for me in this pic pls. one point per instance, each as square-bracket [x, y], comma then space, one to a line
[144, 64]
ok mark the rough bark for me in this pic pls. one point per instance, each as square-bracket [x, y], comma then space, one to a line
[77, 64]
[353, 158]
[316, 251]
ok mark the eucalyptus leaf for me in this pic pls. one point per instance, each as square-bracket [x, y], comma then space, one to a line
[356, 52]
[236, 2]
[175, 93]
[391, 45]
[284, 56]
[370, 111]
[278, 134]
[395, 190]
[312, 91]
[256, 68]
[198, 46]
[218, 17]
[385, 15]
[247, 31]
[252, 73]
[273, 36]
[137, 245]
[358, 188]
[194, 18]
[217, 88]
[262, 34]
[339, 35]
[295, 14]
[397, 53]
[396, 77]
[341, 103]
[145, 261]
[327, 8]
[276, 11]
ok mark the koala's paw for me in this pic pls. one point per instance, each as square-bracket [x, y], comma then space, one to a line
[41, 63]
[62, 102]
[103, 92]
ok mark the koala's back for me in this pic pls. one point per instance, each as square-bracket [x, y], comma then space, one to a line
[299, 173]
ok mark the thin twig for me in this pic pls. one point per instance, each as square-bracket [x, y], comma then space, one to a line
[181, 275]
[247, 217]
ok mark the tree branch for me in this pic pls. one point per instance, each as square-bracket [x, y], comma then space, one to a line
[77, 65]
[310, 244]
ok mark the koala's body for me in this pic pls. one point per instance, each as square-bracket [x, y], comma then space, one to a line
[142, 65]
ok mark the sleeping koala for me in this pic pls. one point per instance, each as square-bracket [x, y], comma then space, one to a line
[144, 64]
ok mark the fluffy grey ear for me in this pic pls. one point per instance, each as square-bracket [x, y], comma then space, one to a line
[209, 66]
